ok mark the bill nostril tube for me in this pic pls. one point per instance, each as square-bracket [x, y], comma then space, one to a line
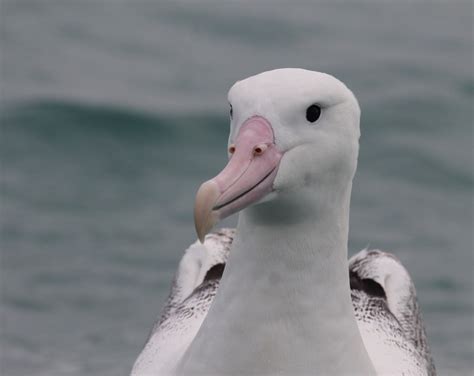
[259, 149]
[232, 149]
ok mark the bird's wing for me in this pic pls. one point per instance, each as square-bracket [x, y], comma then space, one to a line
[194, 287]
[388, 315]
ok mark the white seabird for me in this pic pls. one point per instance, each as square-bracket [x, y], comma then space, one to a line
[289, 302]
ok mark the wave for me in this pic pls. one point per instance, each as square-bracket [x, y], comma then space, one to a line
[59, 120]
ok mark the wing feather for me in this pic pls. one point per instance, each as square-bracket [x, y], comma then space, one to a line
[193, 289]
[388, 314]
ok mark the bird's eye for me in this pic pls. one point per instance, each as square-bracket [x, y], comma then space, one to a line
[313, 113]
[231, 112]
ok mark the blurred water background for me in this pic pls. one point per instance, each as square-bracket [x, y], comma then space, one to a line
[113, 112]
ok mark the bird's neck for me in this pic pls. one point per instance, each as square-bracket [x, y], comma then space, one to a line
[284, 302]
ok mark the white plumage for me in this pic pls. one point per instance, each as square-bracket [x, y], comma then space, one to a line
[192, 293]
[288, 302]
[391, 326]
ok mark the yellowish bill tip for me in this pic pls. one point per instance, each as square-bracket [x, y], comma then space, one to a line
[204, 217]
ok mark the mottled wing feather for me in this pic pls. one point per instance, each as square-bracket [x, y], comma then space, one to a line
[193, 289]
[388, 314]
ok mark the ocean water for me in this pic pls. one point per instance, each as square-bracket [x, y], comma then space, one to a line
[113, 113]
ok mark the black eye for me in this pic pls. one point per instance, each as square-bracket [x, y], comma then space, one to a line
[313, 113]
[231, 112]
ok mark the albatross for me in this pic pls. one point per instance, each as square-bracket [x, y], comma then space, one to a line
[278, 295]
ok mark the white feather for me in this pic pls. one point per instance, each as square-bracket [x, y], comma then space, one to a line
[393, 332]
[186, 306]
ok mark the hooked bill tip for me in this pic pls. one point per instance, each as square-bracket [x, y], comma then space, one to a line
[204, 217]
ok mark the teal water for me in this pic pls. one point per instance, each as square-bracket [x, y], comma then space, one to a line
[113, 113]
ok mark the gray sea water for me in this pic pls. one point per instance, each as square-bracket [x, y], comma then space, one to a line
[113, 113]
